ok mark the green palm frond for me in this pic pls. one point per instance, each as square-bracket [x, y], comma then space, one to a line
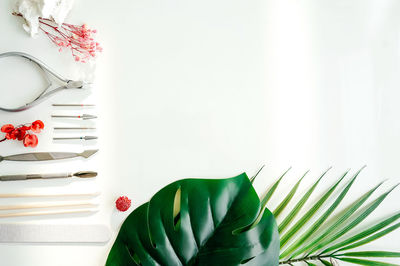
[322, 236]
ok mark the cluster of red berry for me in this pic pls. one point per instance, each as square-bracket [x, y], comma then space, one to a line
[23, 133]
[123, 203]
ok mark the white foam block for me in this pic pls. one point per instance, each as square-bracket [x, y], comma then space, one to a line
[54, 233]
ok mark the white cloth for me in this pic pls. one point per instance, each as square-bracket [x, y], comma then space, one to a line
[31, 10]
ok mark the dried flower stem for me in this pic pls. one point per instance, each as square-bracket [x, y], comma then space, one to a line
[79, 39]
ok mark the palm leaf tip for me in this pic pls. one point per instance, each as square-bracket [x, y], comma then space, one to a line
[307, 216]
[314, 237]
[375, 254]
[359, 217]
[337, 221]
[294, 249]
[299, 205]
[366, 262]
[289, 197]
[254, 176]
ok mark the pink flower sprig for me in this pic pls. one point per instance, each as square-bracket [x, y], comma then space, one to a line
[79, 39]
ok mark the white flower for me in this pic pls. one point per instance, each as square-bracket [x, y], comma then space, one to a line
[31, 10]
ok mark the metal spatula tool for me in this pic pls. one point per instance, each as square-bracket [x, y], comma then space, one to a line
[54, 233]
[82, 174]
[47, 156]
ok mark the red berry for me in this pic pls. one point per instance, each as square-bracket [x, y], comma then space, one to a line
[30, 140]
[7, 128]
[19, 133]
[10, 135]
[37, 126]
[123, 203]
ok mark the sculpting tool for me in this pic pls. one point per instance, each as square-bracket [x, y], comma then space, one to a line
[73, 138]
[82, 174]
[84, 116]
[74, 104]
[46, 156]
[74, 128]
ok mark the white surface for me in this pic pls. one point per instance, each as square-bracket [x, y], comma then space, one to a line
[214, 88]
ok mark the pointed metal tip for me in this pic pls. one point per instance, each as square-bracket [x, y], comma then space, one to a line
[85, 174]
[90, 137]
[88, 153]
[87, 116]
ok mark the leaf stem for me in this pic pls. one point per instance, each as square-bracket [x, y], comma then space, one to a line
[304, 259]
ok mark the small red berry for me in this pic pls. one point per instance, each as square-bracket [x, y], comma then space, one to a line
[37, 126]
[19, 133]
[30, 140]
[7, 128]
[123, 203]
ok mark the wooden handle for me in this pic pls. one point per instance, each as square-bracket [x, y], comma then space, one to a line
[18, 195]
[47, 205]
[21, 214]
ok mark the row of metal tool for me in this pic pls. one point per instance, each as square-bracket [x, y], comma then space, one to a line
[75, 128]
[50, 207]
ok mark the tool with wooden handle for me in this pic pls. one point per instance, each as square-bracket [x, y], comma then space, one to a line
[82, 174]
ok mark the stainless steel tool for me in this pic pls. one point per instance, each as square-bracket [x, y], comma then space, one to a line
[84, 116]
[46, 156]
[49, 75]
[74, 128]
[73, 104]
[82, 174]
[73, 138]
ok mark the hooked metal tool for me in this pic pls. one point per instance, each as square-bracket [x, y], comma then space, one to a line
[49, 74]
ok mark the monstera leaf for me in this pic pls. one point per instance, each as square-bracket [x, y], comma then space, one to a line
[199, 222]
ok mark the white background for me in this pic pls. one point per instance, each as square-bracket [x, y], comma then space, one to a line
[211, 89]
